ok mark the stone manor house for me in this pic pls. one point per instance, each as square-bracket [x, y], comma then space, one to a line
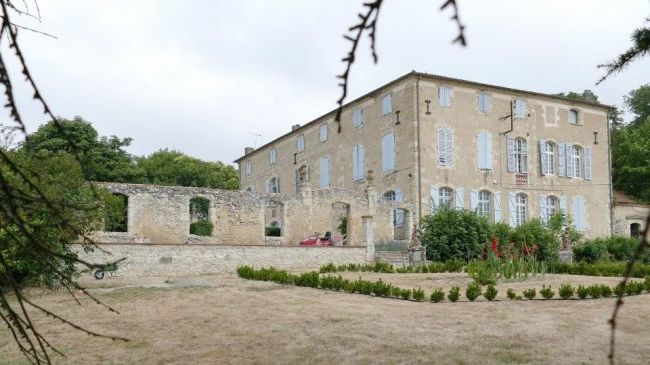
[426, 141]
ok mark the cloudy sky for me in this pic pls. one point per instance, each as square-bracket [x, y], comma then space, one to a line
[204, 76]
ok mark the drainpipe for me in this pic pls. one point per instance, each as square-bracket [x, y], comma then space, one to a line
[417, 124]
[609, 176]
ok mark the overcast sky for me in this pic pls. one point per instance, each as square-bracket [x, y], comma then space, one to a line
[203, 76]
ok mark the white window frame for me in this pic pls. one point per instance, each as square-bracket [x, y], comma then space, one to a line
[484, 102]
[387, 104]
[389, 196]
[575, 161]
[445, 147]
[446, 198]
[322, 133]
[484, 206]
[521, 155]
[521, 209]
[273, 156]
[300, 143]
[548, 154]
[357, 118]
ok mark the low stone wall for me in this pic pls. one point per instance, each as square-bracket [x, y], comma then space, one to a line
[178, 260]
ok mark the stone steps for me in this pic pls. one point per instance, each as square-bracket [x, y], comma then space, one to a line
[392, 257]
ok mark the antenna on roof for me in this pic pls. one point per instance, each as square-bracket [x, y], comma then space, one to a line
[255, 137]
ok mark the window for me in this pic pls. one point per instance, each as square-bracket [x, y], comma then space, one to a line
[573, 163]
[521, 155]
[389, 196]
[357, 118]
[324, 172]
[520, 209]
[250, 189]
[446, 198]
[484, 208]
[573, 116]
[483, 102]
[399, 218]
[357, 162]
[323, 133]
[445, 147]
[444, 96]
[388, 152]
[484, 150]
[520, 108]
[273, 185]
[249, 167]
[273, 156]
[300, 143]
[548, 205]
[387, 104]
[547, 153]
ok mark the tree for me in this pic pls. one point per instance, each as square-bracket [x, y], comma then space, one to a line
[638, 102]
[104, 158]
[167, 167]
[631, 159]
[640, 47]
[586, 95]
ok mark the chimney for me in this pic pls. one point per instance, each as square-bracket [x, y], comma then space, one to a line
[294, 127]
[248, 150]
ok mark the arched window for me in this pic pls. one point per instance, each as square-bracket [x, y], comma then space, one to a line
[446, 198]
[484, 208]
[389, 196]
[548, 158]
[574, 161]
[521, 155]
[549, 205]
[273, 185]
[521, 211]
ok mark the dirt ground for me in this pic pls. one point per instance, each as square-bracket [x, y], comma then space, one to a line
[216, 319]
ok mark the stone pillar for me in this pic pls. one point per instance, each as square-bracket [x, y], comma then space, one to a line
[368, 237]
[305, 196]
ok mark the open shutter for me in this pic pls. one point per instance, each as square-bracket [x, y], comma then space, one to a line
[324, 172]
[570, 161]
[561, 159]
[543, 209]
[391, 152]
[450, 147]
[563, 205]
[434, 199]
[488, 151]
[355, 162]
[384, 153]
[362, 171]
[542, 158]
[524, 155]
[576, 213]
[510, 142]
[460, 198]
[498, 214]
[277, 184]
[481, 150]
[398, 195]
[511, 209]
[587, 152]
[473, 200]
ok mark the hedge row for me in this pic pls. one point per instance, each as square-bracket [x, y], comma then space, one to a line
[382, 267]
[639, 270]
[474, 290]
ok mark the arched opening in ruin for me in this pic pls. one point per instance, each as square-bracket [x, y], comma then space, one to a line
[116, 215]
[635, 230]
[200, 224]
[401, 224]
[341, 221]
[273, 214]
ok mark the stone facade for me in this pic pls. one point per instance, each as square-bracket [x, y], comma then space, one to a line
[180, 260]
[421, 105]
[629, 215]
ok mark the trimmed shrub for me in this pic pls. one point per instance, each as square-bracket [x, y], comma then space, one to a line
[308, 279]
[452, 234]
[454, 294]
[201, 228]
[381, 289]
[619, 290]
[605, 290]
[595, 291]
[547, 292]
[272, 231]
[639, 270]
[530, 293]
[566, 291]
[490, 293]
[473, 291]
[437, 296]
[406, 294]
[511, 294]
[582, 292]
[418, 294]
[481, 272]
[590, 251]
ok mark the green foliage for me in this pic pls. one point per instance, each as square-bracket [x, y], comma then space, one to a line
[590, 251]
[383, 267]
[481, 272]
[586, 95]
[638, 101]
[115, 213]
[271, 231]
[405, 294]
[452, 234]
[437, 295]
[201, 228]
[308, 279]
[199, 208]
[599, 269]
[566, 291]
[619, 290]
[630, 156]
[547, 292]
[343, 225]
[534, 232]
[646, 283]
[418, 294]
[615, 248]
[634, 288]
[511, 294]
[473, 291]
[381, 289]
[530, 293]
[454, 294]
[582, 292]
[490, 292]
[596, 291]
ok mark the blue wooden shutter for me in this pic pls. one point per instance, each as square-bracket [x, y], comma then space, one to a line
[398, 195]
[324, 172]
[387, 104]
[355, 162]
[543, 208]
[473, 200]
[510, 142]
[587, 157]
[542, 158]
[460, 198]
[570, 161]
[362, 171]
[561, 160]
[434, 198]
[511, 209]
[323, 133]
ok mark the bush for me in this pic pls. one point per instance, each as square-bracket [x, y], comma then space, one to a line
[418, 294]
[201, 228]
[566, 291]
[511, 294]
[595, 291]
[452, 234]
[473, 291]
[308, 279]
[634, 288]
[530, 293]
[406, 294]
[381, 289]
[454, 294]
[481, 272]
[582, 292]
[534, 232]
[605, 290]
[619, 290]
[437, 295]
[490, 293]
[272, 231]
[646, 283]
[614, 248]
[590, 251]
[639, 270]
[547, 292]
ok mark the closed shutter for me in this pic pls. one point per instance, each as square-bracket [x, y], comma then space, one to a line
[267, 188]
[543, 209]
[561, 159]
[498, 214]
[511, 209]
[399, 218]
[444, 96]
[460, 198]
[587, 152]
[324, 172]
[510, 142]
[398, 195]
[355, 162]
[484, 151]
[434, 198]
[563, 205]
[387, 104]
[357, 117]
[388, 152]
[323, 133]
[577, 217]
[473, 200]
[542, 158]
[362, 171]
[524, 155]
[570, 161]
[450, 147]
